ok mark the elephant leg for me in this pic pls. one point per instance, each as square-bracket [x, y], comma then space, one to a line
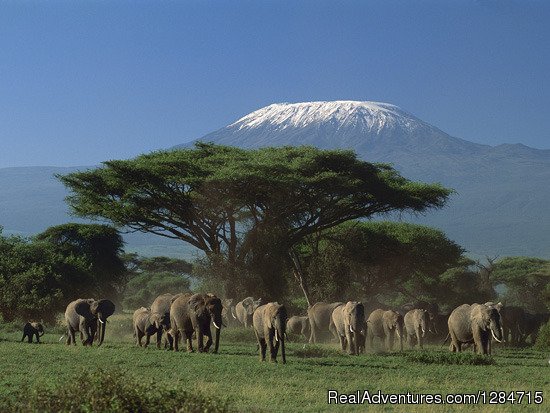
[348, 344]
[343, 343]
[189, 340]
[70, 336]
[200, 340]
[208, 342]
[147, 339]
[37, 337]
[177, 334]
[23, 339]
[271, 348]
[419, 337]
[263, 349]
[159, 338]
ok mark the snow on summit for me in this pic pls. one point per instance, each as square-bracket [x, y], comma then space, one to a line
[372, 116]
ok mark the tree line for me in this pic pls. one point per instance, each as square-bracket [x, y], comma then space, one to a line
[280, 223]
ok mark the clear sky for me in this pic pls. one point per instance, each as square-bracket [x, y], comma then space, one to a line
[86, 81]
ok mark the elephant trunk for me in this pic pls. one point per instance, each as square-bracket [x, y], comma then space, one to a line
[217, 339]
[101, 331]
[40, 333]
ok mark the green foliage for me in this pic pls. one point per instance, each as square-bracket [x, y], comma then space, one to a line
[366, 259]
[142, 289]
[39, 277]
[527, 280]
[248, 207]
[151, 277]
[112, 391]
[450, 358]
[543, 338]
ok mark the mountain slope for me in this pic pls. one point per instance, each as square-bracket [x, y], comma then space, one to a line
[500, 207]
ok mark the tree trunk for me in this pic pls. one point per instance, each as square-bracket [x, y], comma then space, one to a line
[299, 275]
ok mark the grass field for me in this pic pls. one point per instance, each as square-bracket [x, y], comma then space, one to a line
[301, 385]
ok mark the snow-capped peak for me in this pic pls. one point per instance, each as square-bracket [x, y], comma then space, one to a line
[372, 116]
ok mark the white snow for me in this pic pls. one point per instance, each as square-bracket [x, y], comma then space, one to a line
[369, 116]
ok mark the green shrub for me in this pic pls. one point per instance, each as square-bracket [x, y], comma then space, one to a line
[543, 339]
[111, 391]
[449, 358]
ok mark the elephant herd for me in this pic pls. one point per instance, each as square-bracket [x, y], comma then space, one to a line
[186, 316]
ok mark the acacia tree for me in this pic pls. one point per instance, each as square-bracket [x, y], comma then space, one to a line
[222, 199]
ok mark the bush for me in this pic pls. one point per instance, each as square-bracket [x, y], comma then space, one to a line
[543, 339]
[111, 391]
[449, 358]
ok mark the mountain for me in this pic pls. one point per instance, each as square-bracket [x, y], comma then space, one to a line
[502, 192]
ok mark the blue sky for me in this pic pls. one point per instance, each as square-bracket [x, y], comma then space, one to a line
[82, 82]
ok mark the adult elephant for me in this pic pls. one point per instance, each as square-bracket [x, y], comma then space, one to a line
[146, 324]
[530, 326]
[32, 329]
[319, 315]
[84, 315]
[269, 322]
[512, 317]
[193, 313]
[245, 309]
[228, 311]
[298, 325]
[161, 307]
[417, 322]
[348, 320]
[385, 324]
[475, 324]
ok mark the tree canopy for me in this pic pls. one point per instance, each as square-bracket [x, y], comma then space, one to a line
[223, 199]
[527, 281]
[396, 261]
[39, 276]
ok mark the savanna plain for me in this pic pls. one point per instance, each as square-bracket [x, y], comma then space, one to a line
[235, 380]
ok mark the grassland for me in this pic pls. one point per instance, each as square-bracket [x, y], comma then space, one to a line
[301, 385]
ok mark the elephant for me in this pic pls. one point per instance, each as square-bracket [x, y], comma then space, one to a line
[417, 322]
[475, 324]
[85, 315]
[512, 316]
[193, 313]
[244, 309]
[269, 322]
[530, 326]
[161, 306]
[298, 325]
[228, 312]
[348, 320]
[32, 329]
[146, 324]
[320, 315]
[385, 324]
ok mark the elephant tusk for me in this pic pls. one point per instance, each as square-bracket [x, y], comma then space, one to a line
[101, 321]
[397, 331]
[495, 337]
[351, 330]
[61, 338]
[276, 336]
[215, 325]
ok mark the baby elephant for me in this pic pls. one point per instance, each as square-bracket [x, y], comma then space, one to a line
[32, 329]
[146, 324]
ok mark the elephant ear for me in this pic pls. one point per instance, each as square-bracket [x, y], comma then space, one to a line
[82, 308]
[197, 302]
[104, 307]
